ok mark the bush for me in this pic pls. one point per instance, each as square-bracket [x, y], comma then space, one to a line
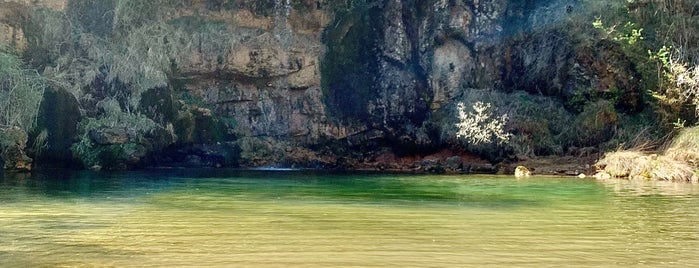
[535, 125]
[596, 124]
[539, 125]
[678, 87]
[481, 126]
[142, 53]
[90, 153]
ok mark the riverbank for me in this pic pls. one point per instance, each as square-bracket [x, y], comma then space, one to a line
[677, 162]
[440, 163]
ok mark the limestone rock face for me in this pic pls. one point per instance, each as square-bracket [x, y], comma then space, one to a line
[14, 15]
[12, 37]
[266, 81]
[451, 65]
[418, 57]
[302, 81]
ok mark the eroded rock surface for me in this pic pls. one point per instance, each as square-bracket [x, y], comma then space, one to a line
[338, 83]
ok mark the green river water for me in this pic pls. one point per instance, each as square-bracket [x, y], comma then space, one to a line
[228, 218]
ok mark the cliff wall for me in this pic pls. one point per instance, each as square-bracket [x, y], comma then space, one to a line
[344, 84]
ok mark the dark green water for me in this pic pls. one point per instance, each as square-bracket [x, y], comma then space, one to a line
[289, 219]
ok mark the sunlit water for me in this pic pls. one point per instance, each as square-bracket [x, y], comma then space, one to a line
[304, 219]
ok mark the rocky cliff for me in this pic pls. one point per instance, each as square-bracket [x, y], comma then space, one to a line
[334, 84]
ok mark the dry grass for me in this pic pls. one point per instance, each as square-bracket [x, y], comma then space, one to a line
[679, 162]
[672, 170]
[639, 165]
[685, 147]
[619, 164]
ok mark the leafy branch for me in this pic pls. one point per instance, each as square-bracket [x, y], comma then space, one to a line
[481, 127]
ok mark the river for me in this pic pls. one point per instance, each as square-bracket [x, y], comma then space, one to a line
[232, 218]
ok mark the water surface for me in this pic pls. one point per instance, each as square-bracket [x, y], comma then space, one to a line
[230, 218]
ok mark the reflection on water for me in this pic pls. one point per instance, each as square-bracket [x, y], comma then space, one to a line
[645, 188]
[279, 219]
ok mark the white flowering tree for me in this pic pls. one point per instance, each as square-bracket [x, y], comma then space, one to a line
[480, 126]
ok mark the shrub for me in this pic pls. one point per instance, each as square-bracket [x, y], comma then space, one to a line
[539, 125]
[481, 126]
[679, 162]
[141, 54]
[132, 14]
[21, 92]
[596, 124]
[535, 125]
[90, 153]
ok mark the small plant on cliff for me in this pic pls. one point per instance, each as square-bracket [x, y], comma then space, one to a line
[629, 33]
[481, 126]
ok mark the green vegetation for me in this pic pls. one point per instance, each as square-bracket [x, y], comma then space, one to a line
[140, 52]
[110, 55]
[134, 126]
[107, 54]
[481, 126]
[21, 91]
[539, 126]
[660, 37]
